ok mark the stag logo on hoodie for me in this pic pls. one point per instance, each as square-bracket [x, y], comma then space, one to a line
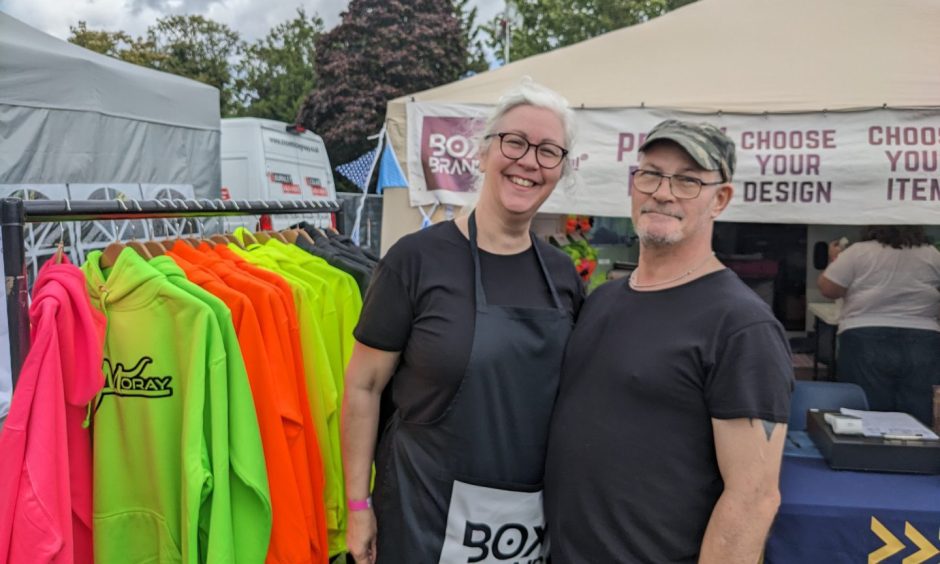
[132, 382]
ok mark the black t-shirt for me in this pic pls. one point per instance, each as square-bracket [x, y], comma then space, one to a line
[631, 473]
[421, 302]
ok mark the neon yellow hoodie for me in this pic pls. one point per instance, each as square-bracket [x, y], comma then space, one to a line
[159, 494]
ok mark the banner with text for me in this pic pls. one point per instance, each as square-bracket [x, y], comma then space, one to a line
[865, 167]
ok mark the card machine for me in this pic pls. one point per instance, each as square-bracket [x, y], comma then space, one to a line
[875, 454]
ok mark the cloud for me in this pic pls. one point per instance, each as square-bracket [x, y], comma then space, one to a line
[169, 6]
[251, 18]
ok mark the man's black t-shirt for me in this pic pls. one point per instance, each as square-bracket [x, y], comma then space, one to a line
[631, 473]
[421, 302]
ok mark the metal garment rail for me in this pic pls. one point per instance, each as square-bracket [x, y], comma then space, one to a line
[16, 213]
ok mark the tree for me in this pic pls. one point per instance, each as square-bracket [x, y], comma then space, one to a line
[199, 48]
[279, 70]
[117, 44]
[382, 49]
[190, 46]
[476, 58]
[109, 43]
[549, 24]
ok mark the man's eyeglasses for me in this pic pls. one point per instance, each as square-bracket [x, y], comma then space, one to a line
[514, 146]
[682, 187]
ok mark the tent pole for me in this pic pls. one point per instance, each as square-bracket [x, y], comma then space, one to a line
[12, 219]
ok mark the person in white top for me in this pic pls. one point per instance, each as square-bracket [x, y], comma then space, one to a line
[889, 331]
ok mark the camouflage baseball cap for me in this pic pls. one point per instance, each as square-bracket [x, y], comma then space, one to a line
[706, 144]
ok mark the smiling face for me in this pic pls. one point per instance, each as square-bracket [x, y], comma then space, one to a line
[662, 220]
[519, 187]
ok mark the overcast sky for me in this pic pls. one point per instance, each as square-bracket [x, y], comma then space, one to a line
[251, 18]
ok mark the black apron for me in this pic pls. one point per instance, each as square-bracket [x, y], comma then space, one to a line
[467, 487]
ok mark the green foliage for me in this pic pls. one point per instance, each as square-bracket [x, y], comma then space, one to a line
[549, 24]
[476, 58]
[190, 46]
[117, 44]
[382, 49]
[201, 49]
[104, 42]
[278, 71]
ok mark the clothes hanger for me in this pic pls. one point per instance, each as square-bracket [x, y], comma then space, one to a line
[227, 237]
[110, 254]
[276, 235]
[140, 249]
[174, 228]
[154, 248]
[248, 238]
[301, 234]
[60, 246]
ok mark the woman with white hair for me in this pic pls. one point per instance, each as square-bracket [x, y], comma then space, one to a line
[468, 320]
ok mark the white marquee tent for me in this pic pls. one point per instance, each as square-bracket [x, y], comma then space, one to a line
[834, 106]
[69, 115]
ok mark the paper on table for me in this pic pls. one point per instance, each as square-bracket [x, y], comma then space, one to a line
[891, 424]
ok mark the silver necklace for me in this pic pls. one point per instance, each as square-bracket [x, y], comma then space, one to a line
[633, 283]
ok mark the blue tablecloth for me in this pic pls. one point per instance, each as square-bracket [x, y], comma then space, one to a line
[827, 516]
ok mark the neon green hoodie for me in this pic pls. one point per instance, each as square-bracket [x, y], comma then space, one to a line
[156, 496]
[248, 479]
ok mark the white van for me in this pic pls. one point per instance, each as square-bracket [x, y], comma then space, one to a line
[264, 159]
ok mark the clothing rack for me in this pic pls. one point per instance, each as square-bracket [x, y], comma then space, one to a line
[16, 213]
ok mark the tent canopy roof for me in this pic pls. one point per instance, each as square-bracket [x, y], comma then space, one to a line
[41, 71]
[749, 56]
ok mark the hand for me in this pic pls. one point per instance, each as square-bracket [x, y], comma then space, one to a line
[361, 533]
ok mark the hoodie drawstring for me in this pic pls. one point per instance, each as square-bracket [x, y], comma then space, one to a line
[103, 307]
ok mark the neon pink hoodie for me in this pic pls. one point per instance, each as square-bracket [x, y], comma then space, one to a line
[45, 478]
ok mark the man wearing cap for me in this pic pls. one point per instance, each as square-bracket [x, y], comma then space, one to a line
[668, 431]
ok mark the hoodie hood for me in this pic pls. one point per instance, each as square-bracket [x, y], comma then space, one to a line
[60, 297]
[196, 273]
[168, 267]
[130, 284]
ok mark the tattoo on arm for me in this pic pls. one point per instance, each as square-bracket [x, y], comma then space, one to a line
[769, 427]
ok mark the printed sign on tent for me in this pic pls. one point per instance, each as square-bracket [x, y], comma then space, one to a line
[449, 152]
[873, 166]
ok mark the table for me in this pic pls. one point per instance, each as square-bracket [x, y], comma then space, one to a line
[826, 322]
[831, 517]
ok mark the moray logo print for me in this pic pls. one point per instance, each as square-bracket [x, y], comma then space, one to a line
[131, 382]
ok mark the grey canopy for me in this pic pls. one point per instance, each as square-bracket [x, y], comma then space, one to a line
[69, 115]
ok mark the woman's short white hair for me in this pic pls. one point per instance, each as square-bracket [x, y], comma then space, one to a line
[530, 93]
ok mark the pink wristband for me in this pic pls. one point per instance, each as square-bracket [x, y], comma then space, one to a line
[359, 504]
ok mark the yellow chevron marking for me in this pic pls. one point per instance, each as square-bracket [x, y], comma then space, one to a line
[927, 549]
[892, 544]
